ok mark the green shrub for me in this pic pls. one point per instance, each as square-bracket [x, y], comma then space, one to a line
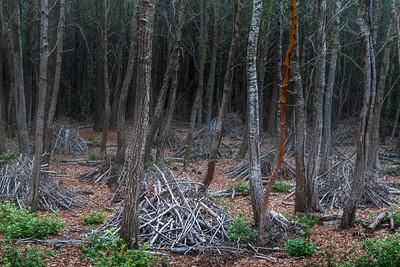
[379, 253]
[112, 251]
[307, 222]
[281, 186]
[7, 157]
[20, 223]
[392, 171]
[94, 154]
[94, 218]
[11, 256]
[242, 232]
[239, 186]
[299, 247]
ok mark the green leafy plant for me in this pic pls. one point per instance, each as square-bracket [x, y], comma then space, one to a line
[112, 251]
[94, 218]
[307, 223]
[7, 157]
[11, 256]
[94, 154]
[391, 171]
[281, 186]
[239, 186]
[379, 253]
[240, 231]
[299, 247]
[18, 222]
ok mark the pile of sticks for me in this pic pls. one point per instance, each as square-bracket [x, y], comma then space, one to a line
[267, 160]
[66, 139]
[233, 125]
[335, 187]
[172, 140]
[174, 214]
[16, 182]
[202, 142]
[100, 174]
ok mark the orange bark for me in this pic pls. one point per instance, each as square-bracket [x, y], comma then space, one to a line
[282, 120]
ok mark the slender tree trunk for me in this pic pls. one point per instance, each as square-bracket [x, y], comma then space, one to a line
[256, 189]
[29, 80]
[18, 77]
[304, 187]
[217, 134]
[41, 105]
[213, 64]
[130, 216]
[2, 102]
[176, 55]
[57, 80]
[196, 108]
[380, 93]
[398, 95]
[327, 113]
[121, 121]
[282, 119]
[314, 159]
[365, 128]
[104, 37]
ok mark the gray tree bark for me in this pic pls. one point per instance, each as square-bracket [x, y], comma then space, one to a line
[135, 154]
[213, 63]
[314, 158]
[196, 108]
[327, 113]
[256, 188]
[121, 120]
[217, 134]
[41, 104]
[18, 76]
[365, 128]
[176, 56]
[104, 39]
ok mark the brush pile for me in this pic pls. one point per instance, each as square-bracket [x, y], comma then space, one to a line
[16, 181]
[174, 214]
[202, 142]
[335, 187]
[233, 125]
[66, 139]
[267, 163]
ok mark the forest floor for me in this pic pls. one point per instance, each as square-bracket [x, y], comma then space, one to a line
[331, 242]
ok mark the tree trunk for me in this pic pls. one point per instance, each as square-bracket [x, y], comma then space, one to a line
[217, 134]
[282, 119]
[41, 105]
[57, 80]
[2, 102]
[256, 189]
[314, 159]
[199, 91]
[380, 93]
[130, 216]
[365, 128]
[213, 64]
[121, 121]
[18, 77]
[327, 113]
[106, 119]
[176, 55]
[303, 193]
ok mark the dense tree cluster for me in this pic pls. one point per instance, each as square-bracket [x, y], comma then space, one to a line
[159, 61]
